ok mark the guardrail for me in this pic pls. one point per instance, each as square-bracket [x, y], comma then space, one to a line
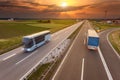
[52, 55]
[55, 52]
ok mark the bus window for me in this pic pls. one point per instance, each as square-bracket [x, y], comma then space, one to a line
[39, 39]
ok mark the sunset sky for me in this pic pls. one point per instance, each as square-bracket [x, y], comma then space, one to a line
[59, 8]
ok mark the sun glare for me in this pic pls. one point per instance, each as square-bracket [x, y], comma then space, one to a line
[64, 4]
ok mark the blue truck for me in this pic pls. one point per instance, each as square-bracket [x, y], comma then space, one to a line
[92, 39]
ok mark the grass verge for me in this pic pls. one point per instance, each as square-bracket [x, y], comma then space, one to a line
[114, 38]
[9, 44]
[36, 75]
[100, 26]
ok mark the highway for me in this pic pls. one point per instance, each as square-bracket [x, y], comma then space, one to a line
[82, 64]
[15, 64]
[111, 57]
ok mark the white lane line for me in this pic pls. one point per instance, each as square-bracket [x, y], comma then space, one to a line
[82, 72]
[105, 65]
[85, 34]
[28, 72]
[9, 57]
[111, 45]
[84, 41]
[65, 58]
[26, 57]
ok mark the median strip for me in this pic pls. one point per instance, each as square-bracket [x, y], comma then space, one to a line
[74, 27]
[71, 36]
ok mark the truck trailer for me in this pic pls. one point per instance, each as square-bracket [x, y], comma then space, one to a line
[92, 39]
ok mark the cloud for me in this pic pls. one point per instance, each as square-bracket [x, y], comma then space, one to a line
[112, 7]
[27, 8]
[22, 4]
[11, 4]
[32, 5]
[101, 6]
[69, 8]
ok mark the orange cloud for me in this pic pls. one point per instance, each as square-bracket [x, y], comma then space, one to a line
[50, 8]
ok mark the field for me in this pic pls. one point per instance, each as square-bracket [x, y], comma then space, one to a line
[100, 26]
[11, 32]
[115, 40]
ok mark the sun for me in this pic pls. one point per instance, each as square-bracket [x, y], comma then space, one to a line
[64, 4]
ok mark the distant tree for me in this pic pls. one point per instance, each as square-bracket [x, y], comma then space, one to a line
[40, 21]
[44, 21]
[49, 21]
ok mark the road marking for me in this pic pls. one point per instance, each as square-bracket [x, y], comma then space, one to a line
[65, 57]
[111, 45]
[26, 57]
[105, 65]
[85, 34]
[110, 42]
[84, 41]
[9, 57]
[28, 72]
[82, 72]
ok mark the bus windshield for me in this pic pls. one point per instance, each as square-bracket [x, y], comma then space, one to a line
[27, 42]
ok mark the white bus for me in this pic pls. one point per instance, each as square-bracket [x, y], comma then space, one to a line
[92, 39]
[31, 42]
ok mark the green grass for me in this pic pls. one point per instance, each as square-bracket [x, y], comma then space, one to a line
[51, 26]
[9, 44]
[55, 25]
[11, 32]
[17, 29]
[38, 73]
[114, 38]
[103, 26]
[66, 22]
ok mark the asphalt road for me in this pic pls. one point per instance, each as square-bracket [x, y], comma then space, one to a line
[15, 64]
[111, 57]
[83, 64]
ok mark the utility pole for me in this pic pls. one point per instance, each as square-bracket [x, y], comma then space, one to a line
[106, 12]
